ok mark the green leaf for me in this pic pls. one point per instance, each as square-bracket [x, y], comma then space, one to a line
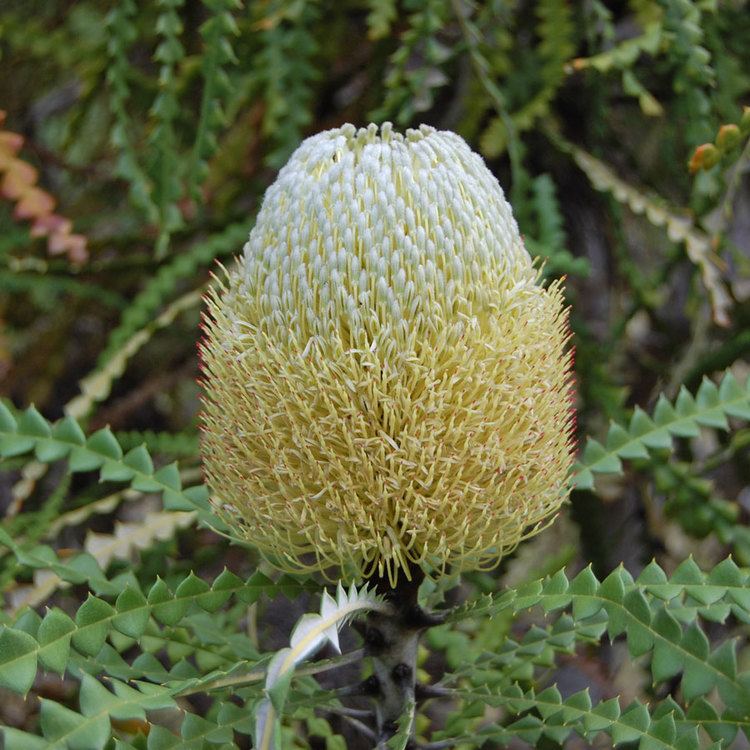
[93, 619]
[15, 739]
[191, 588]
[31, 422]
[194, 727]
[585, 587]
[18, 660]
[7, 422]
[132, 613]
[632, 725]
[165, 608]
[598, 459]
[60, 724]
[104, 443]
[643, 434]
[139, 460]
[54, 640]
[68, 430]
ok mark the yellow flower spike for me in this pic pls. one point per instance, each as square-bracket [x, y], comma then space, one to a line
[386, 382]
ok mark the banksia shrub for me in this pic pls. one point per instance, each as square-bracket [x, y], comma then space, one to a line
[386, 380]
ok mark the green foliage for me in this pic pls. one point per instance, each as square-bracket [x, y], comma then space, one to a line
[165, 281]
[122, 33]
[416, 67]
[381, 17]
[659, 616]
[29, 432]
[692, 64]
[164, 443]
[165, 111]
[90, 644]
[547, 238]
[709, 408]
[217, 32]
[286, 73]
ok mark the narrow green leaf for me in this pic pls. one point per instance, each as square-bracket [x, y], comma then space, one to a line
[82, 459]
[584, 588]
[115, 471]
[697, 679]
[602, 716]
[598, 459]
[49, 450]
[197, 727]
[688, 572]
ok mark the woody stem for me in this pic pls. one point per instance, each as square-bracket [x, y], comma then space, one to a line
[392, 641]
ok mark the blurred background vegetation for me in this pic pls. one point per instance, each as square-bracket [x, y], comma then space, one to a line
[139, 139]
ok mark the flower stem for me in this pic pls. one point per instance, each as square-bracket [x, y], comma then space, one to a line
[392, 642]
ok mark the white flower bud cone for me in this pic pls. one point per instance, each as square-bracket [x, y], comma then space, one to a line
[386, 382]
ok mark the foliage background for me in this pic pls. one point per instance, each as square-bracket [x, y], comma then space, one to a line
[156, 127]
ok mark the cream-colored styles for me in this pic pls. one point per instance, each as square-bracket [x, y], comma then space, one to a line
[386, 381]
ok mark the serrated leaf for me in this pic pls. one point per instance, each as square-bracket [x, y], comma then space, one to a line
[114, 471]
[18, 660]
[602, 716]
[255, 586]
[165, 608]
[598, 459]
[726, 573]
[104, 443]
[15, 739]
[132, 613]
[664, 729]
[81, 459]
[7, 421]
[54, 640]
[584, 588]
[59, 722]
[139, 460]
[191, 587]
[93, 621]
[688, 572]
[47, 450]
[724, 659]
[31, 422]
[697, 679]
[69, 431]
[169, 476]
[194, 726]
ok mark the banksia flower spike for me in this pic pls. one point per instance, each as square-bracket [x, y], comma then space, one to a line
[386, 380]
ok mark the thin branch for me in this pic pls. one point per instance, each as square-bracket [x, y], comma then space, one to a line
[363, 728]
